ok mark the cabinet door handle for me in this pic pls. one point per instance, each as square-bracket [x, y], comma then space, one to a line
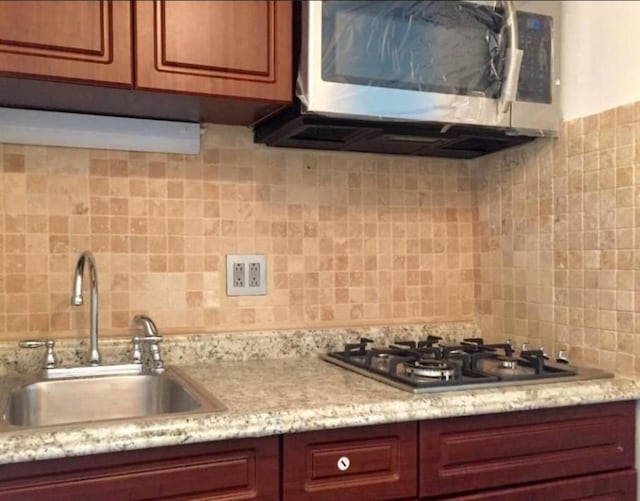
[344, 463]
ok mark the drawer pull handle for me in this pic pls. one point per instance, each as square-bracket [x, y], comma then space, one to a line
[344, 463]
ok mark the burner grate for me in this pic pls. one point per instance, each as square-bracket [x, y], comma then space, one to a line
[427, 363]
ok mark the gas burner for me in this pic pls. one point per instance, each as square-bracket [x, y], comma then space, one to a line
[507, 362]
[432, 369]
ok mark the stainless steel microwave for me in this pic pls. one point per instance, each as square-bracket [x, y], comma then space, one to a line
[422, 75]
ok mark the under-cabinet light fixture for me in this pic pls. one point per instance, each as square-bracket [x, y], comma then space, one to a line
[50, 128]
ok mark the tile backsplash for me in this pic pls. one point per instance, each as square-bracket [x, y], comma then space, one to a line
[557, 244]
[537, 243]
[351, 239]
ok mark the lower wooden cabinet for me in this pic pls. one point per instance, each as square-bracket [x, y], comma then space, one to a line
[228, 470]
[615, 486]
[475, 453]
[371, 462]
[572, 453]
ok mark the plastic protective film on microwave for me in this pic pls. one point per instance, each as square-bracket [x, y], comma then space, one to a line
[455, 49]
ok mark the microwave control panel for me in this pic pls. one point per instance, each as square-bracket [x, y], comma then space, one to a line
[535, 32]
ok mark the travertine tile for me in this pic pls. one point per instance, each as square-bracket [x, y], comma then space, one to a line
[348, 236]
[538, 242]
[592, 175]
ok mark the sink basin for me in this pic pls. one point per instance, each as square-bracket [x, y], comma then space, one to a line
[77, 400]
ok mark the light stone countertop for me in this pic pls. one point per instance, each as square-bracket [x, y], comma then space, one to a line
[274, 396]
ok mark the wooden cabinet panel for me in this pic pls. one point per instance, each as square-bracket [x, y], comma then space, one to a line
[222, 48]
[248, 24]
[616, 486]
[88, 41]
[483, 452]
[372, 462]
[240, 469]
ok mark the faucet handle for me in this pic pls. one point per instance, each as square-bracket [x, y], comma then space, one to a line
[152, 338]
[154, 351]
[50, 359]
[147, 324]
[137, 346]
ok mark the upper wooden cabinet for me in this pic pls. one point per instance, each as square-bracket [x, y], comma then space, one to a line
[234, 49]
[224, 62]
[86, 41]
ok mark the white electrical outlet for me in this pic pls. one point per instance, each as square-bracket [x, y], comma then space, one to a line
[246, 275]
[254, 274]
[238, 275]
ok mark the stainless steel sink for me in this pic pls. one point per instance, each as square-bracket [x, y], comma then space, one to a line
[78, 400]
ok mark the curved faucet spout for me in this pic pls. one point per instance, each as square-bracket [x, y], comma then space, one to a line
[77, 300]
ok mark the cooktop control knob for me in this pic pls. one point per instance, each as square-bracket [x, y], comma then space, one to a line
[563, 357]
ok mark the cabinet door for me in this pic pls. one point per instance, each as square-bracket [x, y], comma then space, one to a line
[615, 486]
[227, 49]
[89, 41]
[470, 454]
[229, 470]
[371, 462]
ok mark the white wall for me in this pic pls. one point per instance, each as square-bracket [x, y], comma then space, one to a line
[600, 56]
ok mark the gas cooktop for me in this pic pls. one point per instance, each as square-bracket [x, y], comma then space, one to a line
[427, 365]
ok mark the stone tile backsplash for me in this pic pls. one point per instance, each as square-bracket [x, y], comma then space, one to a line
[351, 239]
[557, 244]
[538, 244]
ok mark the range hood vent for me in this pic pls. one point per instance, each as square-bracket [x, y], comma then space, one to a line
[294, 130]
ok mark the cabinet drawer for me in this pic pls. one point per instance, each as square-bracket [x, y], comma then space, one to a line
[615, 486]
[240, 469]
[372, 462]
[474, 453]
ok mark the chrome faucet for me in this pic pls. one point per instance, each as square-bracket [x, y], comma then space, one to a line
[152, 339]
[77, 300]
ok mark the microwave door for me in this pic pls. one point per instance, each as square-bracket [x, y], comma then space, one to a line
[406, 61]
[537, 107]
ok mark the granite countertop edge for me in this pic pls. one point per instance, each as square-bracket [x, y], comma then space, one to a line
[394, 406]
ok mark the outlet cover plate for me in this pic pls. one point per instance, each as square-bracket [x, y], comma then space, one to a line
[250, 262]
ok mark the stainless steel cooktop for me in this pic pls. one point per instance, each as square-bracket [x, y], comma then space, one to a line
[428, 366]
